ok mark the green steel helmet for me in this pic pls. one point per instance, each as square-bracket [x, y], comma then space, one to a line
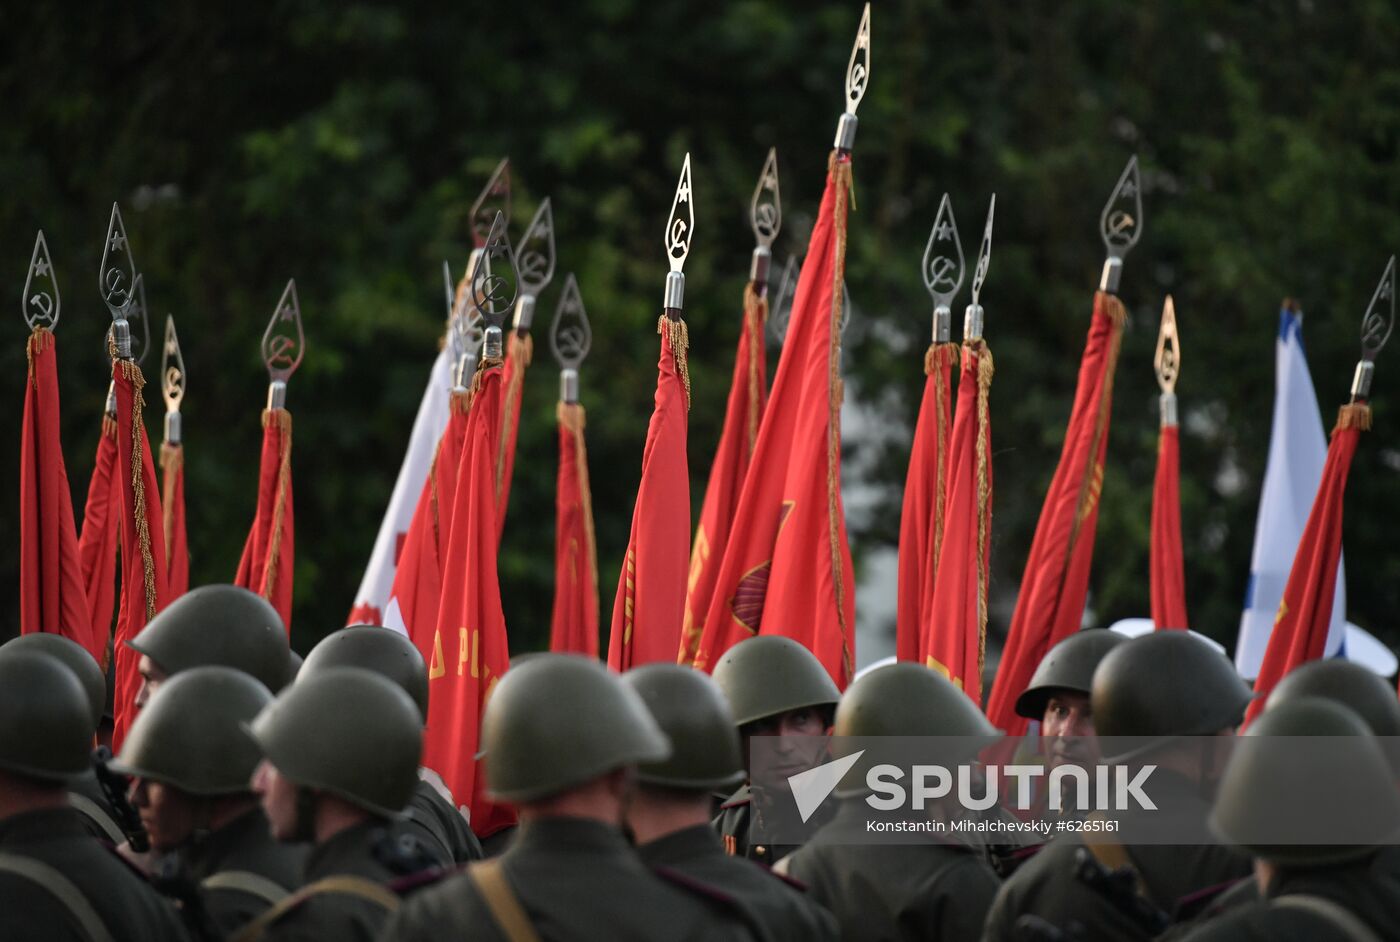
[346, 731]
[1349, 684]
[381, 650]
[190, 734]
[1167, 683]
[908, 699]
[46, 723]
[559, 720]
[218, 625]
[1068, 665]
[1339, 778]
[694, 715]
[74, 657]
[769, 675]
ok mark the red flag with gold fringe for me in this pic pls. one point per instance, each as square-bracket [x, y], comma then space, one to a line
[650, 603]
[787, 568]
[1167, 568]
[747, 392]
[470, 651]
[144, 587]
[52, 595]
[574, 623]
[520, 350]
[1055, 585]
[266, 566]
[172, 504]
[1305, 612]
[925, 496]
[956, 633]
[97, 541]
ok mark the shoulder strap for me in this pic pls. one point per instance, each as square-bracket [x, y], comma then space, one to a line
[344, 885]
[98, 815]
[1335, 913]
[490, 880]
[62, 889]
[244, 881]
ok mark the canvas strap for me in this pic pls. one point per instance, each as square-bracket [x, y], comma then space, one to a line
[491, 883]
[1338, 915]
[343, 885]
[243, 881]
[98, 815]
[62, 889]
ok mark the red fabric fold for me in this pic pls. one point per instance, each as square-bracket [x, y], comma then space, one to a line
[520, 350]
[97, 543]
[52, 596]
[172, 504]
[787, 567]
[650, 602]
[1167, 572]
[748, 389]
[574, 623]
[267, 564]
[1055, 585]
[1305, 612]
[144, 588]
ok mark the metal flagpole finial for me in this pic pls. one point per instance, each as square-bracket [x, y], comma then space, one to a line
[1120, 223]
[972, 317]
[570, 337]
[781, 309]
[944, 267]
[1376, 326]
[857, 79]
[766, 216]
[494, 198]
[139, 321]
[680, 228]
[448, 290]
[1167, 360]
[535, 261]
[283, 345]
[172, 381]
[40, 299]
[495, 285]
[116, 279]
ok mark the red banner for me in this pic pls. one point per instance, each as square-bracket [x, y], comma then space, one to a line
[266, 566]
[1055, 585]
[97, 543]
[574, 625]
[787, 568]
[748, 390]
[52, 595]
[650, 603]
[520, 350]
[925, 497]
[172, 503]
[1167, 572]
[1305, 612]
[957, 619]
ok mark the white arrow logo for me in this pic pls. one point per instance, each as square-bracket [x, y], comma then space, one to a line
[812, 787]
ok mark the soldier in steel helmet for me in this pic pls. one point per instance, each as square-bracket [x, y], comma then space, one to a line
[85, 793]
[669, 815]
[775, 687]
[1311, 891]
[213, 625]
[190, 763]
[1154, 689]
[340, 755]
[930, 890]
[56, 881]
[1058, 695]
[432, 819]
[562, 740]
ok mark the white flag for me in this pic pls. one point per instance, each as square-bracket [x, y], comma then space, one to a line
[1297, 452]
[428, 426]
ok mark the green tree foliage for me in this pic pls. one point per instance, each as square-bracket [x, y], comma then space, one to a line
[342, 144]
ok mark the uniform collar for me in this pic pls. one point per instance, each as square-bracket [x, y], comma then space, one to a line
[567, 834]
[207, 855]
[348, 851]
[41, 826]
[681, 846]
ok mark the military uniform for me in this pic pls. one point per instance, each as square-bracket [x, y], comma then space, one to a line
[575, 879]
[737, 814]
[121, 900]
[239, 870]
[86, 796]
[439, 828]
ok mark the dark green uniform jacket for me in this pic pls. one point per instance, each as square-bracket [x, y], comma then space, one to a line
[893, 892]
[732, 824]
[1365, 890]
[777, 909]
[243, 846]
[124, 903]
[1047, 886]
[439, 828]
[340, 916]
[576, 879]
[85, 794]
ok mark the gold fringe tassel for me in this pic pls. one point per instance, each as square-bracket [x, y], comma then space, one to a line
[678, 335]
[1093, 480]
[841, 172]
[132, 373]
[1357, 415]
[39, 340]
[985, 371]
[283, 419]
[172, 461]
[755, 316]
[573, 418]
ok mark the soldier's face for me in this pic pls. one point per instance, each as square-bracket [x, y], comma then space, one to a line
[279, 800]
[1067, 729]
[167, 814]
[151, 678]
[800, 744]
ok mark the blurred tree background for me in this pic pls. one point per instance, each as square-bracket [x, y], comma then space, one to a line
[343, 143]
